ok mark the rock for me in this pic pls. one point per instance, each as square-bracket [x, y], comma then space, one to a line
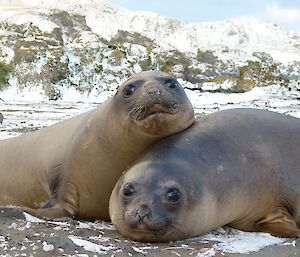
[61, 242]
[297, 243]
[8, 213]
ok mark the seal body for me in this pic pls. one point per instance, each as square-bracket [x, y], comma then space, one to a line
[70, 168]
[238, 167]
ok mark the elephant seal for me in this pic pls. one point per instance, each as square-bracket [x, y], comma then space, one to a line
[1, 118]
[69, 169]
[239, 168]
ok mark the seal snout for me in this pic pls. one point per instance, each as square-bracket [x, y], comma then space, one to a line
[141, 220]
[144, 212]
[139, 216]
[153, 91]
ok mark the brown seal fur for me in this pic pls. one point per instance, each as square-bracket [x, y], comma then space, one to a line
[238, 167]
[70, 168]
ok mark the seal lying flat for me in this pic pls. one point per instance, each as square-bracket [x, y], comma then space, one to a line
[238, 167]
[70, 168]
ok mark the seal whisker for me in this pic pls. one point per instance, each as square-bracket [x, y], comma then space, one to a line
[138, 113]
[132, 112]
[142, 113]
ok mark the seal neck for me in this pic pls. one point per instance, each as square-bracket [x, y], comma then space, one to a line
[111, 129]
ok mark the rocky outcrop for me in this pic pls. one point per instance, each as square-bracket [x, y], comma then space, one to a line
[60, 49]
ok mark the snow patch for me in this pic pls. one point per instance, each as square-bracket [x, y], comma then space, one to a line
[139, 250]
[207, 253]
[30, 218]
[236, 241]
[36, 93]
[89, 246]
[33, 219]
[22, 14]
[13, 92]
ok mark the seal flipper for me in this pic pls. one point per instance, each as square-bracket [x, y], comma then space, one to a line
[279, 223]
[53, 209]
[64, 203]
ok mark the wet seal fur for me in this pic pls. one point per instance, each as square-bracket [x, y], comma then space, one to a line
[69, 169]
[238, 167]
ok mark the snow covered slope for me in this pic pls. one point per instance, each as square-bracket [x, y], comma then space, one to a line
[242, 34]
[97, 43]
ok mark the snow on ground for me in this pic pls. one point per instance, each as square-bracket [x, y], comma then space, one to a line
[235, 241]
[274, 98]
[224, 240]
[20, 112]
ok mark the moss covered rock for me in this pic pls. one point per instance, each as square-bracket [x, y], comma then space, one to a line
[5, 70]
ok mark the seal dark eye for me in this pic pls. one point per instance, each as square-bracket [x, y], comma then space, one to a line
[171, 83]
[128, 189]
[173, 195]
[128, 90]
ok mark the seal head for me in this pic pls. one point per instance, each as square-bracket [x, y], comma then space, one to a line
[149, 203]
[155, 103]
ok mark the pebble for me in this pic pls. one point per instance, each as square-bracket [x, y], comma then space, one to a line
[35, 247]
[47, 247]
[13, 225]
[61, 242]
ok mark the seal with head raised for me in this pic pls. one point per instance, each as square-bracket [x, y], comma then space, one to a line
[238, 167]
[70, 168]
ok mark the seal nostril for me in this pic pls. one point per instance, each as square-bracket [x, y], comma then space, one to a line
[155, 92]
[143, 212]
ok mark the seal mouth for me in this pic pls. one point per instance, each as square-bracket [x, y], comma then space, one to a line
[144, 112]
[148, 235]
[147, 226]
